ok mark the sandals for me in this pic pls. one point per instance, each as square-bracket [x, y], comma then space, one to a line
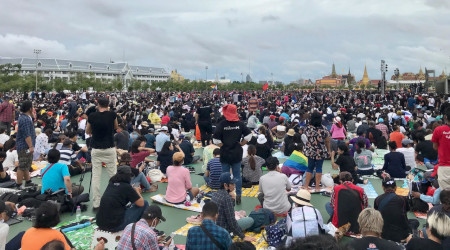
[153, 188]
[194, 219]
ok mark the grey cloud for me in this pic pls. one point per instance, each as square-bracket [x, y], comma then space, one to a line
[270, 18]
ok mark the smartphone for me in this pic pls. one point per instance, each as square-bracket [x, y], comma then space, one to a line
[167, 239]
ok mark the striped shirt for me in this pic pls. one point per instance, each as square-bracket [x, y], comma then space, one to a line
[384, 130]
[215, 170]
[67, 156]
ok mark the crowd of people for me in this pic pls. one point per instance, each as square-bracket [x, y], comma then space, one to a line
[239, 132]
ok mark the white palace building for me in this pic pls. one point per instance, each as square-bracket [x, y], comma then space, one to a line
[51, 68]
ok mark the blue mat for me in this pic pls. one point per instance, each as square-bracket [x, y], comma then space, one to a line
[369, 190]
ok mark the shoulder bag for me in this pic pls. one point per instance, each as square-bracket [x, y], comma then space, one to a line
[211, 237]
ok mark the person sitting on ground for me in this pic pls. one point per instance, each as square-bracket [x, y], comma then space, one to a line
[144, 233]
[69, 158]
[371, 226]
[303, 220]
[165, 157]
[150, 138]
[347, 201]
[198, 239]
[208, 155]
[393, 208]
[263, 149]
[346, 163]
[394, 162]
[437, 229]
[363, 159]
[179, 181]
[4, 176]
[273, 187]
[113, 213]
[213, 171]
[138, 176]
[139, 153]
[297, 163]
[188, 150]
[288, 140]
[47, 217]
[361, 136]
[225, 199]
[252, 163]
[408, 151]
[56, 176]
[313, 242]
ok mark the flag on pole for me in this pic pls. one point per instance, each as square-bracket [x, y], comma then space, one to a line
[265, 86]
[214, 86]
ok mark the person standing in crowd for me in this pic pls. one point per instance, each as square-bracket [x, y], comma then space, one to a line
[7, 114]
[317, 149]
[25, 141]
[393, 208]
[101, 125]
[371, 227]
[228, 136]
[441, 143]
[203, 120]
[198, 238]
[273, 187]
[145, 236]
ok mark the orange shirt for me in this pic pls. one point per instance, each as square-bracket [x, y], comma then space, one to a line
[36, 238]
[397, 137]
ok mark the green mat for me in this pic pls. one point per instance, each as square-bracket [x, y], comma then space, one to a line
[81, 238]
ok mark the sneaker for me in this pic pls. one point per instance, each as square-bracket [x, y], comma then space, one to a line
[30, 184]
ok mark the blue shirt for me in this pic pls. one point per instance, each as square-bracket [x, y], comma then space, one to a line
[54, 178]
[150, 141]
[197, 239]
[215, 170]
[26, 129]
[161, 138]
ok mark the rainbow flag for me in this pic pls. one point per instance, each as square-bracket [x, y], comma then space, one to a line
[214, 86]
[297, 160]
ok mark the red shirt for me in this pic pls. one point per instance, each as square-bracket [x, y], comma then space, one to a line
[165, 119]
[441, 136]
[6, 111]
[136, 158]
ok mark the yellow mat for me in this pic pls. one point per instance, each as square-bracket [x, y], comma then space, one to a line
[246, 192]
[259, 243]
[402, 191]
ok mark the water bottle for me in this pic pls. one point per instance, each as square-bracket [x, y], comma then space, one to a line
[78, 213]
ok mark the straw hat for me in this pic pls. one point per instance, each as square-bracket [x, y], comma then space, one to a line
[303, 197]
[291, 132]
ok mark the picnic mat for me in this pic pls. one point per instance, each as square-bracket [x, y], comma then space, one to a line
[246, 192]
[12, 221]
[81, 238]
[369, 190]
[195, 207]
[280, 155]
[402, 191]
[259, 243]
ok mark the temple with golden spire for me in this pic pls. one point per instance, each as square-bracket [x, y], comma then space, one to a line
[365, 79]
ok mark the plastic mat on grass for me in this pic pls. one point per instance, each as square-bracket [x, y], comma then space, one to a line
[159, 198]
[246, 192]
[81, 238]
[369, 190]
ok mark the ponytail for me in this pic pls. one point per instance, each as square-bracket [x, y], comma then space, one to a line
[252, 162]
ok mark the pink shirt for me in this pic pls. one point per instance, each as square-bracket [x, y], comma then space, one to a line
[179, 180]
[337, 132]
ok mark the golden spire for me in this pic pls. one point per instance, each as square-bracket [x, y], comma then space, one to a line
[365, 79]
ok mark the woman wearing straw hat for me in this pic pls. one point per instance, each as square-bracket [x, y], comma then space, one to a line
[303, 220]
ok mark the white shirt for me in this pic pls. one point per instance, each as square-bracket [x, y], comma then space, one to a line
[82, 124]
[10, 160]
[410, 156]
[3, 138]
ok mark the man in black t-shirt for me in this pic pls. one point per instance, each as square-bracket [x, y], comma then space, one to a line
[227, 136]
[102, 125]
[203, 120]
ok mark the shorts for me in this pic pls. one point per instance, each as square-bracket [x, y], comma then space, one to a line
[25, 159]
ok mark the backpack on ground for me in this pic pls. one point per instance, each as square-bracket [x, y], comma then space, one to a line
[12, 197]
[262, 217]
[276, 233]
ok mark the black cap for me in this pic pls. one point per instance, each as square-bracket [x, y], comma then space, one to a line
[125, 170]
[153, 211]
[388, 182]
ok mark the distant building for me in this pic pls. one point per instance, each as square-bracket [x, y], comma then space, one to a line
[335, 80]
[51, 68]
[410, 78]
[248, 78]
[175, 76]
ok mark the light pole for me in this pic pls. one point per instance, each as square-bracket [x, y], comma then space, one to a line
[37, 52]
[242, 77]
[383, 69]
[397, 74]
[272, 77]
[206, 70]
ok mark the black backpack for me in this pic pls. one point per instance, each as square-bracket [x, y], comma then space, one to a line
[12, 197]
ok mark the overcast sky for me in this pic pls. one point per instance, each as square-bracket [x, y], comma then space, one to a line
[291, 39]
